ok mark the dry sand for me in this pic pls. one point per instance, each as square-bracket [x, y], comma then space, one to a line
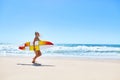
[58, 68]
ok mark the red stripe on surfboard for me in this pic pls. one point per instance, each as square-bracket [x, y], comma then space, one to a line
[21, 47]
[49, 43]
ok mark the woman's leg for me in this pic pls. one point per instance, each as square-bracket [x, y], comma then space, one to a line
[37, 54]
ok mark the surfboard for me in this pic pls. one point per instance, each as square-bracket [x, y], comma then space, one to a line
[38, 44]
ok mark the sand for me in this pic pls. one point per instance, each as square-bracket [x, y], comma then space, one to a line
[58, 68]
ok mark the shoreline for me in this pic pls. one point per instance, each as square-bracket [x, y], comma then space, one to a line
[65, 57]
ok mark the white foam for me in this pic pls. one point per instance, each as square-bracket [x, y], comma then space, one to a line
[96, 51]
[85, 48]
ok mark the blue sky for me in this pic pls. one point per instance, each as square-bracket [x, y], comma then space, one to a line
[60, 21]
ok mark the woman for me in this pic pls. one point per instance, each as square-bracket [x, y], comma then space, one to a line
[37, 52]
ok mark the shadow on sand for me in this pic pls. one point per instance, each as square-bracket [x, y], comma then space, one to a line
[35, 64]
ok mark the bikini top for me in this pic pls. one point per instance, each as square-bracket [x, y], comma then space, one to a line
[37, 39]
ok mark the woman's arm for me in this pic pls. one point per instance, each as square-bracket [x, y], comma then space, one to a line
[34, 43]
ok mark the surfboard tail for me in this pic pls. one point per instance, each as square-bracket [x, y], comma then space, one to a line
[21, 47]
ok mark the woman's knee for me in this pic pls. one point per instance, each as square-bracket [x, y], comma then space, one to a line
[39, 54]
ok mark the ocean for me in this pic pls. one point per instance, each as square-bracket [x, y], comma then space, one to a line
[106, 51]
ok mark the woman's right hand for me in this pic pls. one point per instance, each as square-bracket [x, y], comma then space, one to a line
[34, 49]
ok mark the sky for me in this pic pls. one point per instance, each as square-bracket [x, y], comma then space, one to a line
[60, 21]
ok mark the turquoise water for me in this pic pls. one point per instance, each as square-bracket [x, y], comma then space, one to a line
[68, 50]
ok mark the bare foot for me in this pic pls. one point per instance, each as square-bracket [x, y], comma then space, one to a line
[33, 61]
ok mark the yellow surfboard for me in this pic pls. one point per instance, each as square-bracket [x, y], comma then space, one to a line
[29, 45]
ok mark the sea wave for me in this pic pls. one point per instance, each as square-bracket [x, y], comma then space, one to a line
[65, 50]
[83, 49]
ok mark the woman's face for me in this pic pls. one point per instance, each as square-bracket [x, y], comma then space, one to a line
[37, 34]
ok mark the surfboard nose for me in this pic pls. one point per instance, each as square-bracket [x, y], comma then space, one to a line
[45, 43]
[49, 43]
